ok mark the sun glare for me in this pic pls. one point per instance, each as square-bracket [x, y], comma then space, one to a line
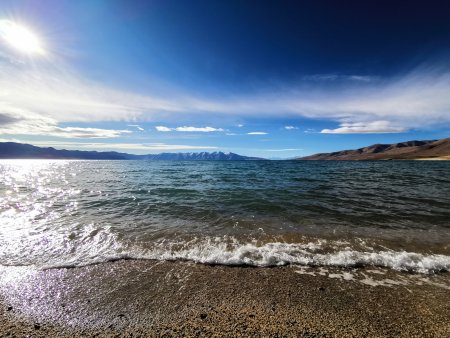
[20, 37]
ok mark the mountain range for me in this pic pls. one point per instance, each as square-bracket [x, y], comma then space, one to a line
[12, 150]
[411, 150]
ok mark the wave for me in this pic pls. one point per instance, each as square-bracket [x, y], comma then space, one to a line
[215, 251]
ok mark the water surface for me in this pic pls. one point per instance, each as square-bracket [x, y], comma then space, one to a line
[69, 213]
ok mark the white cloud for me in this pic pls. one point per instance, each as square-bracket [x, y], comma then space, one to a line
[257, 133]
[240, 125]
[290, 127]
[85, 132]
[163, 129]
[47, 95]
[418, 99]
[15, 121]
[189, 129]
[138, 127]
[194, 129]
[36, 100]
[376, 127]
[65, 98]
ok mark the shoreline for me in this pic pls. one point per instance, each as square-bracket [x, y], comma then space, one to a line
[438, 158]
[163, 298]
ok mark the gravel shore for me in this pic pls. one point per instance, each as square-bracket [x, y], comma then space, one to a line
[131, 298]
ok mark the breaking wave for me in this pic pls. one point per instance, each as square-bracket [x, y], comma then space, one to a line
[215, 251]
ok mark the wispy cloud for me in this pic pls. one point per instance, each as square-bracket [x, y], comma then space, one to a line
[189, 129]
[117, 146]
[14, 121]
[257, 133]
[38, 99]
[149, 146]
[416, 100]
[290, 127]
[339, 77]
[74, 132]
[138, 127]
[376, 127]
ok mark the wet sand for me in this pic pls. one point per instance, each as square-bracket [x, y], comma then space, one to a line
[147, 298]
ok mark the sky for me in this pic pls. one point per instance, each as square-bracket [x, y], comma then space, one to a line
[275, 79]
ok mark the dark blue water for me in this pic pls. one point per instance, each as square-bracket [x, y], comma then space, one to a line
[387, 213]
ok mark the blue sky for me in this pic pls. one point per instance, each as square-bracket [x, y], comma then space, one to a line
[262, 78]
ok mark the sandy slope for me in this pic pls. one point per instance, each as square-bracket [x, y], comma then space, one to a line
[411, 150]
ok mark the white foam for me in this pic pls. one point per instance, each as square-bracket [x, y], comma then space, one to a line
[307, 254]
[344, 276]
[303, 271]
[101, 246]
[428, 281]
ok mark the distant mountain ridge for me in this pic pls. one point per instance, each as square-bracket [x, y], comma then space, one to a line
[410, 150]
[13, 150]
[202, 156]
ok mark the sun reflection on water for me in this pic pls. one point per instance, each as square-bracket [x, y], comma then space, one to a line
[36, 193]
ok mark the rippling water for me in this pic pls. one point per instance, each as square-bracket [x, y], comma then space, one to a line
[68, 213]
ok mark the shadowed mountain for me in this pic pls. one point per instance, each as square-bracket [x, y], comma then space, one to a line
[411, 150]
[12, 150]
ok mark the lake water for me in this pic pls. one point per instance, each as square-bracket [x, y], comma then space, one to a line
[394, 214]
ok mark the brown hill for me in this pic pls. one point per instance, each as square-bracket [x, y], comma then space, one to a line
[411, 150]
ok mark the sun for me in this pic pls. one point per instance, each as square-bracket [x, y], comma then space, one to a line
[20, 38]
